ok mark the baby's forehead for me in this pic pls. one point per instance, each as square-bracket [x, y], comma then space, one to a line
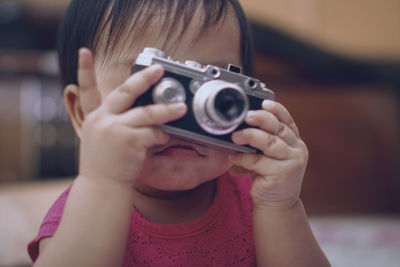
[163, 28]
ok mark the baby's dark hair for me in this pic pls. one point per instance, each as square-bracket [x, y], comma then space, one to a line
[89, 22]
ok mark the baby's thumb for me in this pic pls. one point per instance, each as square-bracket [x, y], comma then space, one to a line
[86, 74]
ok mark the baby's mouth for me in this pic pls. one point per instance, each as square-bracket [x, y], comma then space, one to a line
[179, 148]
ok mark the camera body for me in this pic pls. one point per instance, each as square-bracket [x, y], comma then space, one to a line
[217, 99]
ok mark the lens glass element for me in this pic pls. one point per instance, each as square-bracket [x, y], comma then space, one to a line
[229, 104]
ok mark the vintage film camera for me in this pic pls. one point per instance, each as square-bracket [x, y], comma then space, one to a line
[217, 99]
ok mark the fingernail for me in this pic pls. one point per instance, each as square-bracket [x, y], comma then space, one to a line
[156, 68]
[237, 137]
[80, 54]
[179, 106]
[267, 104]
[251, 115]
[83, 50]
[81, 57]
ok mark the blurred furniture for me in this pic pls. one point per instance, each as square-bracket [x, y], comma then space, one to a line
[36, 137]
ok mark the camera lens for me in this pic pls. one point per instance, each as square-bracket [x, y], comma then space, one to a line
[229, 104]
[220, 107]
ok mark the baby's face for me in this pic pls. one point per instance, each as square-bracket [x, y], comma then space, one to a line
[178, 165]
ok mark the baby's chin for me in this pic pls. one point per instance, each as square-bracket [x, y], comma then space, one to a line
[181, 169]
[179, 180]
[171, 183]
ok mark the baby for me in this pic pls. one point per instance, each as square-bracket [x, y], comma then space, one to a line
[143, 197]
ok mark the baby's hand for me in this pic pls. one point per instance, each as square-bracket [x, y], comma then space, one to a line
[114, 136]
[278, 172]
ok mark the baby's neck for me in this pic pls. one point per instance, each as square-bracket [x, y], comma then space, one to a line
[176, 207]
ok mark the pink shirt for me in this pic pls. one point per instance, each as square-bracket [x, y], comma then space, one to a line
[221, 237]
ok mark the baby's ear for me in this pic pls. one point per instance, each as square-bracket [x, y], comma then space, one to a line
[74, 107]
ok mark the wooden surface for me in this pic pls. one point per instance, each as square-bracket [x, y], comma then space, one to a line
[354, 28]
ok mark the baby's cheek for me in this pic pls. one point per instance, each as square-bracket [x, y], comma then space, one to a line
[111, 78]
[90, 99]
[220, 161]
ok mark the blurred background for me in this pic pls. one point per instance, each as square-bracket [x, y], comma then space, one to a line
[334, 64]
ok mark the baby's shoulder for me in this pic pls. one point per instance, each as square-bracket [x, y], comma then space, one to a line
[57, 209]
[49, 224]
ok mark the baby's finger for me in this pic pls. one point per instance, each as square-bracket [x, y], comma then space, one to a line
[155, 114]
[269, 144]
[257, 163]
[269, 122]
[86, 74]
[281, 113]
[254, 162]
[125, 95]
[147, 136]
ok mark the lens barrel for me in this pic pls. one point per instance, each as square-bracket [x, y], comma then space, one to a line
[220, 107]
